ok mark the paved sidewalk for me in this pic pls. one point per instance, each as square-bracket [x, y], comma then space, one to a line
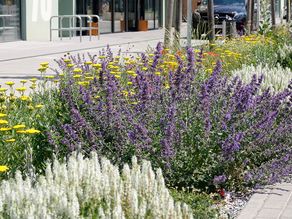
[21, 59]
[273, 202]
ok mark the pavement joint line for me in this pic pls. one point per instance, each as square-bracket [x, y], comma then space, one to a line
[285, 206]
[76, 50]
[261, 207]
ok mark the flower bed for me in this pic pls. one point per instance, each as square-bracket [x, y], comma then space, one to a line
[209, 125]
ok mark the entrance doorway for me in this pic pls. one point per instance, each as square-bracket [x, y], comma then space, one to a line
[9, 20]
[122, 15]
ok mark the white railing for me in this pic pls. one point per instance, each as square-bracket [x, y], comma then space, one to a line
[73, 28]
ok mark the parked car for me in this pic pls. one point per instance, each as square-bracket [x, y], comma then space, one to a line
[223, 10]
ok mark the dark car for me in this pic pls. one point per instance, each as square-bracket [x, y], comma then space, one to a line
[223, 10]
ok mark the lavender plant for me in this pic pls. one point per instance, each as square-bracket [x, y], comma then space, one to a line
[204, 133]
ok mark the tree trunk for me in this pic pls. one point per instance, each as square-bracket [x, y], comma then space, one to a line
[258, 13]
[211, 20]
[178, 21]
[288, 10]
[248, 23]
[168, 26]
[190, 25]
[273, 13]
[252, 27]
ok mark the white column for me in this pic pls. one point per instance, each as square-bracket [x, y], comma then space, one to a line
[38, 14]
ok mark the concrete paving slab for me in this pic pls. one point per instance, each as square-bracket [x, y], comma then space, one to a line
[273, 202]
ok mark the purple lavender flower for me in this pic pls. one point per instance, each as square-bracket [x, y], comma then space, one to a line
[218, 180]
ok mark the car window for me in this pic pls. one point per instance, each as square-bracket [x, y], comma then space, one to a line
[225, 2]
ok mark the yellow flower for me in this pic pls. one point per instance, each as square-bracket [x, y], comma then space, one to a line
[33, 87]
[96, 65]
[102, 57]
[42, 69]
[89, 78]
[61, 74]
[3, 169]
[130, 83]
[3, 115]
[3, 122]
[10, 140]
[97, 97]
[77, 70]
[21, 89]
[18, 127]
[77, 76]
[49, 77]
[3, 89]
[32, 131]
[21, 132]
[5, 129]
[10, 83]
[70, 65]
[131, 72]
[67, 61]
[88, 63]
[39, 106]
[25, 98]
[44, 64]
[157, 73]
[83, 83]
[23, 81]
[33, 80]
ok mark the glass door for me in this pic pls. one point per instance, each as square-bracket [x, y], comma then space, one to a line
[119, 16]
[132, 14]
[9, 20]
[105, 12]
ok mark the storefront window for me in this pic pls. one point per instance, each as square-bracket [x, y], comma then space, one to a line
[105, 14]
[119, 16]
[149, 13]
[157, 20]
[9, 20]
[122, 15]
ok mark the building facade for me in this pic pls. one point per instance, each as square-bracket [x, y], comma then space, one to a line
[30, 19]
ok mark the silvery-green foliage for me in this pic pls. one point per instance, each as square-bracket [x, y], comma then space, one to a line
[265, 17]
[284, 51]
[89, 188]
[276, 78]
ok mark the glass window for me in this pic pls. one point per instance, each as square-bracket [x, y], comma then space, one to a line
[149, 13]
[105, 14]
[9, 20]
[119, 16]
[157, 14]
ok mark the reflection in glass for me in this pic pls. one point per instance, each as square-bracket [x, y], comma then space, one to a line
[119, 16]
[149, 13]
[9, 20]
[105, 14]
[157, 14]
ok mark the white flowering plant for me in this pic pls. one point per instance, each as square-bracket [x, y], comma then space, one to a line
[276, 78]
[91, 188]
